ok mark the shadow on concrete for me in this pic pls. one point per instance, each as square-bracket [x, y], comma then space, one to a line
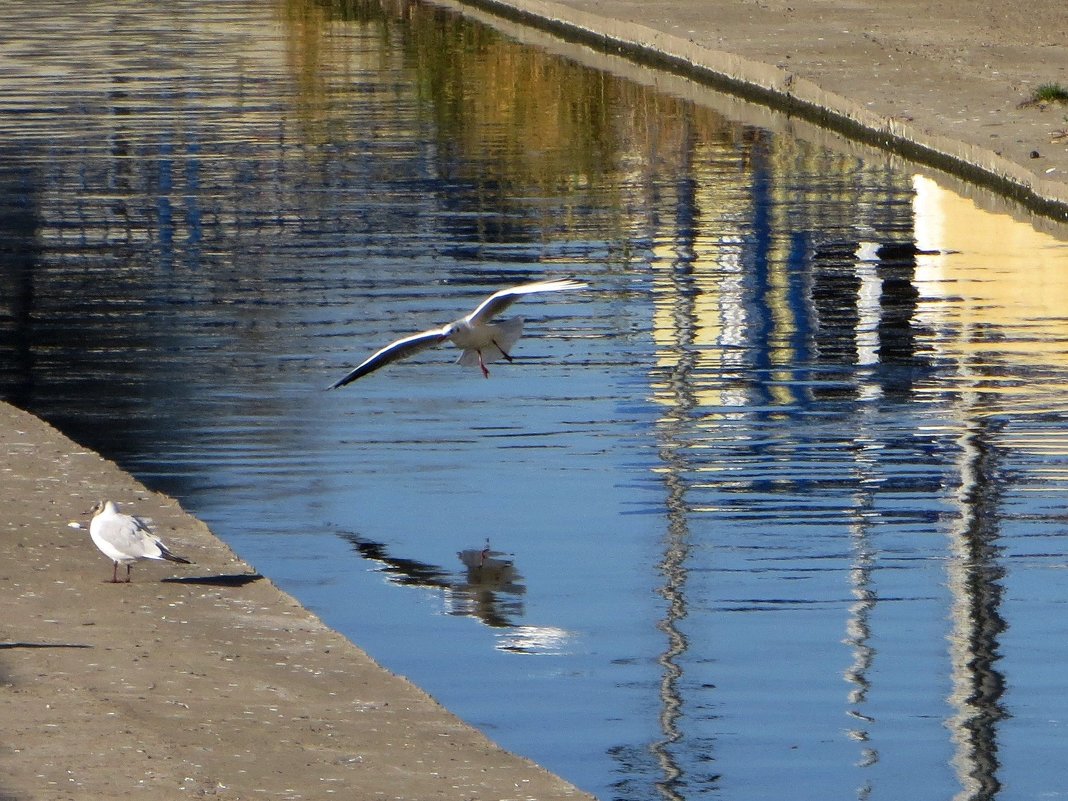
[231, 580]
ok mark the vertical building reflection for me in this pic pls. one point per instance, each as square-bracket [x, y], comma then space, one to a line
[974, 578]
[771, 302]
[965, 300]
[677, 234]
[859, 635]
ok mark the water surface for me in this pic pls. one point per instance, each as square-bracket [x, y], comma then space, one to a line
[780, 495]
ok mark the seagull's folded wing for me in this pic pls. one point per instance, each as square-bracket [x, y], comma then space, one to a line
[400, 349]
[128, 536]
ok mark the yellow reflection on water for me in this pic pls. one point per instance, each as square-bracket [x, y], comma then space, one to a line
[991, 272]
[994, 299]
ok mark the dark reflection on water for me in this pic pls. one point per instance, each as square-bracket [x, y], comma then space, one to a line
[775, 507]
[485, 585]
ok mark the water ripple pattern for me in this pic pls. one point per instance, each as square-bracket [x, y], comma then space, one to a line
[774, 510]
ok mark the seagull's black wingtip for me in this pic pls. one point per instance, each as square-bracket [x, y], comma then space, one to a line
[340, 383]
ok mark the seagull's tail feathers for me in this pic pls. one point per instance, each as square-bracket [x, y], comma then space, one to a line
[165, 553]
[502, 336]
[469, 358]
[507, 333]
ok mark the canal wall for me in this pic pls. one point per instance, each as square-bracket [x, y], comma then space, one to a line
[947, 84]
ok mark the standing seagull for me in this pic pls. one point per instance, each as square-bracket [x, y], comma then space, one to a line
[481, 340]
[125, 538]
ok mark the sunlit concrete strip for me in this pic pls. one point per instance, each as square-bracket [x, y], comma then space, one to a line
[898, 107]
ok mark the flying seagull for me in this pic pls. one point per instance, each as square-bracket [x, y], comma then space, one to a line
[482, 341]
[125, 538]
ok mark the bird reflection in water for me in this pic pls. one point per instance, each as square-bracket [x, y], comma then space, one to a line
[489, 588]
[493, 585]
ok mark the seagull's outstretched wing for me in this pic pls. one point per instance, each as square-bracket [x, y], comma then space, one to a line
[499, 301]
[394, 351]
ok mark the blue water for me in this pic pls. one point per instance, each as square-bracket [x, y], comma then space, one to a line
[780, 494]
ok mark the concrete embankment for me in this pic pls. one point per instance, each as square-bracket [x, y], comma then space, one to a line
[946, 83]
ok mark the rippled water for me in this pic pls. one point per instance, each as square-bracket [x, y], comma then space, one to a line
[780, 498]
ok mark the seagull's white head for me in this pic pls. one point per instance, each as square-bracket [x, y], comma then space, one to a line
[102, 506]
